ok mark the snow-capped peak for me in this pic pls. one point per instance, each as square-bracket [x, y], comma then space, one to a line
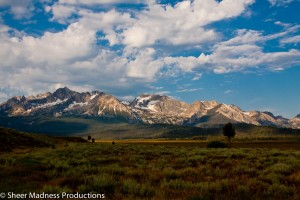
[147, 102]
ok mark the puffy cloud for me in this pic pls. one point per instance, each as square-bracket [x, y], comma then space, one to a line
[280, 2]
[279, 23]
[244, 36]
[97, 20]
[293, 39]
[277, 60]
[244, 57]
[61, 13]
[31, 63]
[144, 66]
[109, 22]
[95, 2]
[51, 49]
[188, 63]
[69, 11]
[238, 54]
[71, 58]
[19, 9]
[182, 23]
[3, 28]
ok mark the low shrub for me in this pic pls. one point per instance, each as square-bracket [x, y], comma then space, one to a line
[217, 144]
[132, 187]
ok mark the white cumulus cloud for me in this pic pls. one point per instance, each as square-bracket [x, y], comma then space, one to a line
[19, 9]
[182, 23]
[238, 54]
[293, 39]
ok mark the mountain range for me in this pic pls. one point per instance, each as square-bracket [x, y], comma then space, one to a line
[146, 109]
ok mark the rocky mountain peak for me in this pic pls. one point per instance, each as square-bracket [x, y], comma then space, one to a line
[109, 106]
[18, 98]
[210, 104]
[64, 89]
[63, 93]
[196, 108]
[159, 104]
[39, 96]
[269, 113]
[144, 101]
[96, 92]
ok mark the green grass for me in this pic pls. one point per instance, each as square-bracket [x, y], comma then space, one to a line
[148, 171]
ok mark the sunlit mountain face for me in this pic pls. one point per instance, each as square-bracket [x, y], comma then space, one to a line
[144, 109]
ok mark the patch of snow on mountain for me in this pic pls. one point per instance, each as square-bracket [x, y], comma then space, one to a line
[101, 111]
[125, 103]
[76, 105]
[143, 99]
[47, 105]
[247, 113]
[93, 96]
[140, 101]
[42, 96]
[151, 105]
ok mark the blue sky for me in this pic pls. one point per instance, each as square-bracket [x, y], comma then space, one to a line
[241, 52]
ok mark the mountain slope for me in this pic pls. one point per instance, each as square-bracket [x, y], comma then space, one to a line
[157, 109]
[66, 102]
[10, 139]
[295, 122]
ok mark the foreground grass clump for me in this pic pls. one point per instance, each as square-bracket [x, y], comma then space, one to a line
[145, 171]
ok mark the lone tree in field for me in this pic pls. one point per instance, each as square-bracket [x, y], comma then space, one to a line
[229, 131]
[93, 140]
[89, 137]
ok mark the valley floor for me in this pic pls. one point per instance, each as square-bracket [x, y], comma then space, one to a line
[277, 144]
[157, 170]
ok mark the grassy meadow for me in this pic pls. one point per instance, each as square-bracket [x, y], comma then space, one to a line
[156, 170]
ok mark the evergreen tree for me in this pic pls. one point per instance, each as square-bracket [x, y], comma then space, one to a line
[229, 131]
